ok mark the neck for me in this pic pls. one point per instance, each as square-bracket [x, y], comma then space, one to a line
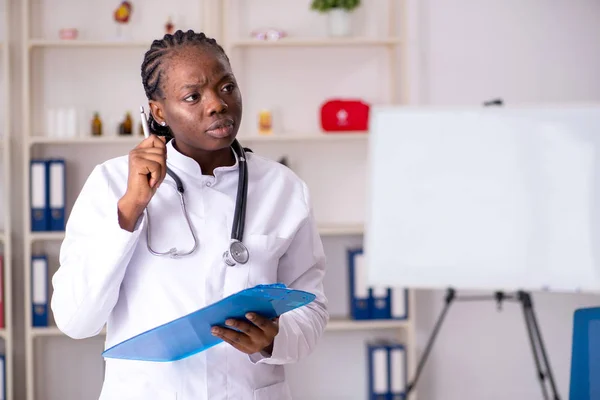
[208, 160]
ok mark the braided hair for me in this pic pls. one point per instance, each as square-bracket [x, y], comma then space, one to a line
[152, 70]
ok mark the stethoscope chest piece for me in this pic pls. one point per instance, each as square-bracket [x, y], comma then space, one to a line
[237, 253]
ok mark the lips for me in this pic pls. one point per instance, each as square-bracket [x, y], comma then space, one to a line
[220, 124]
[221, 129]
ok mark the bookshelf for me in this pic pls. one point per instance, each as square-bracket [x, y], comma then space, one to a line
[296, 136]
[6, 333]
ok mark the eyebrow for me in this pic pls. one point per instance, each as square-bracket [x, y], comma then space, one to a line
[191, 86]
[197, 85]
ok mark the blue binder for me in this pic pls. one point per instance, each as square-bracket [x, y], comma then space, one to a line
[397, 364]
[56, 194]
[360, 299]
[39, 290]
[40, 212]
[378, 370]
[3, 375]
[191, 334]
[379, 301]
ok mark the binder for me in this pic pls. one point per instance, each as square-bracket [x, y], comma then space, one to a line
[378, 370]
[380, 302]
[398, 303]
[191, 334]
[39, 290]
[39, 195]
[397, 371]
[360, 299]
[2, 302]
[56, 194]
[2, 377]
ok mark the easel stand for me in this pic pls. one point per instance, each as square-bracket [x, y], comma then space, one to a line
[535, 336]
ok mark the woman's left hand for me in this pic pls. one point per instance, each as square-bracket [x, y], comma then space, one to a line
[253, 337]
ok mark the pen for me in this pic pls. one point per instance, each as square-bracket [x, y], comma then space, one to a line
[144, 123]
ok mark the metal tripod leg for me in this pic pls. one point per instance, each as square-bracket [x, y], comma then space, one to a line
[449, 297]
[537, 344]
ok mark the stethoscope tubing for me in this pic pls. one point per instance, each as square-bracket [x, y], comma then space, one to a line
[237, 252]
[237, 230]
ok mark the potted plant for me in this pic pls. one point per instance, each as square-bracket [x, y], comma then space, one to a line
[339, 13]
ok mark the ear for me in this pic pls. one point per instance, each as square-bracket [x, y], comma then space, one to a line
[157, 111]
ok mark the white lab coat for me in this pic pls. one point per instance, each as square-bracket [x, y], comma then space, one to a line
[108, 277]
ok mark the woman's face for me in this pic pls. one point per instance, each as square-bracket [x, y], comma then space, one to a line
[202, 103]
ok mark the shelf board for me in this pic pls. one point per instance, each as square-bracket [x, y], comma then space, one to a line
[45, 236]
[359, 325]
[333, 325]
[89, 43]
[316, 42]
[340, 229]
[309, 137]
[324, 230]
[86, 140]
[53, 331]
[135, 139]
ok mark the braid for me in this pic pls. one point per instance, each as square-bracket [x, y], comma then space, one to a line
[152, 70]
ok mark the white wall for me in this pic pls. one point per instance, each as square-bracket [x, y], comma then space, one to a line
[472, 50]
[523, 51]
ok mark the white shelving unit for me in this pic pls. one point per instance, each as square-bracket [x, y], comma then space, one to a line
[42, 53]
[6, 333]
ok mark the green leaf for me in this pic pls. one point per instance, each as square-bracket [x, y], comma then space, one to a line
[327, 5]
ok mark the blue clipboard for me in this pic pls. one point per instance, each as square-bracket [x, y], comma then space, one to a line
[191, 334]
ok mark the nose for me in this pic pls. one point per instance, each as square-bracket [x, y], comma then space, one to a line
[215, 105]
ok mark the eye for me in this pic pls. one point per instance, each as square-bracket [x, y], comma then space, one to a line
[191, 98]
[229, 87]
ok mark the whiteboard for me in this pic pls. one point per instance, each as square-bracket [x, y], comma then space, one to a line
[484, 198]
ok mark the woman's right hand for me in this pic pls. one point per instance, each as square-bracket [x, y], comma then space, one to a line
[147, 169]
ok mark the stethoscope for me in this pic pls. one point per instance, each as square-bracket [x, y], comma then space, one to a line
[237, 252]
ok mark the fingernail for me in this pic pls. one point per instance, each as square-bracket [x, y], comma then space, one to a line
[215, 331]
[229, 322]
[250, 316]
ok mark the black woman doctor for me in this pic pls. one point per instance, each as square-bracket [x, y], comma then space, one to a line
[115, 262]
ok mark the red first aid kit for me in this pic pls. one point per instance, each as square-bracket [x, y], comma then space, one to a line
[345, 115]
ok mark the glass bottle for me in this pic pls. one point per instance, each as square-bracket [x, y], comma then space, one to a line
[96, 125]
[128, 125]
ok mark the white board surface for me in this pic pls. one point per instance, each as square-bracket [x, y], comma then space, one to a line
[485, 198]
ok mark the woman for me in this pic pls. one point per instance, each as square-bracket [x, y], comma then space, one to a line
[108, 276]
